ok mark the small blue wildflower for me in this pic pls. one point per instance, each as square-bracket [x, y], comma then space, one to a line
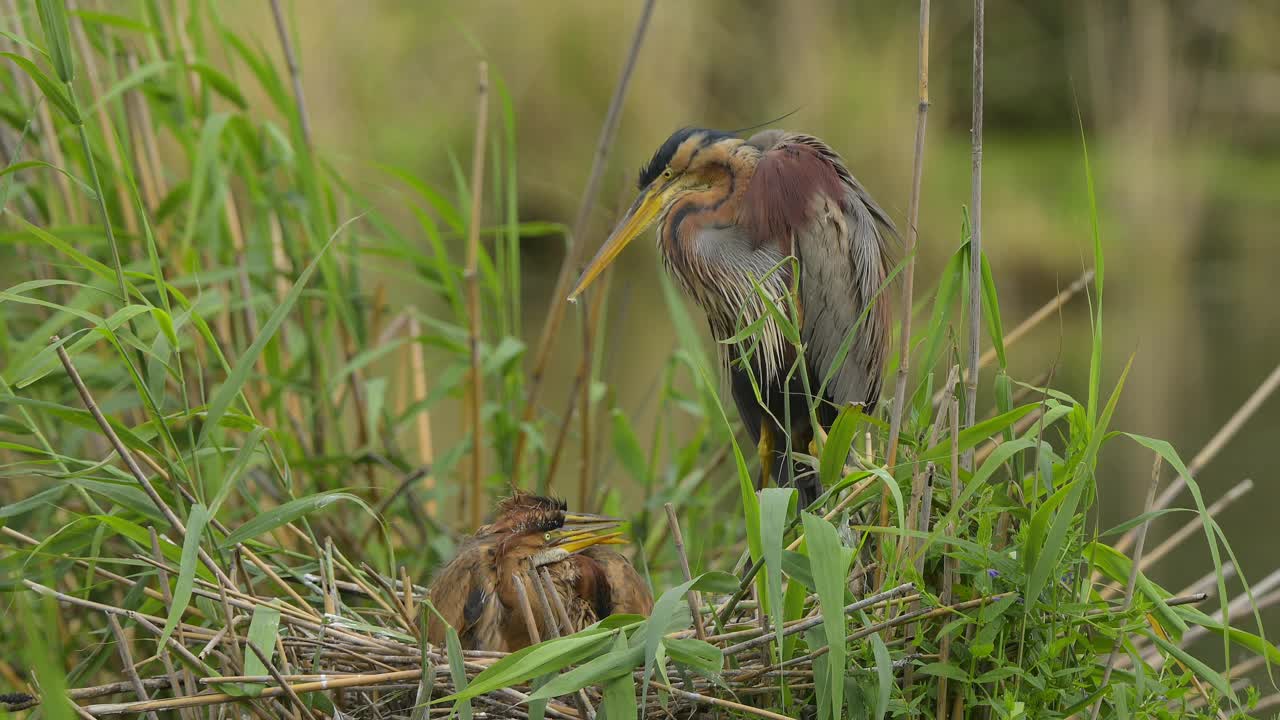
[993, 573]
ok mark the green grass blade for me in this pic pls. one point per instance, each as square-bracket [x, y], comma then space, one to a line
[458, 671]
[53, 17]
[775, 506]
[884, 675]
[263, 627]
[829, 562]
[239, 375]
[286, 513]
[196, 523]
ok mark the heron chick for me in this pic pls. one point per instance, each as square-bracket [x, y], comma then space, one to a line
[477, 592]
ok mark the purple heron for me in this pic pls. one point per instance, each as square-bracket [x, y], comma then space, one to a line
[535, 559]
[735, 219]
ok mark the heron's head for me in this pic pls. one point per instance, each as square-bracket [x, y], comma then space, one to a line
[544, 529]
[691, 160]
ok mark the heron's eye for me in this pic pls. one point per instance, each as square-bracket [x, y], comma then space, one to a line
[547, 537]
[666, 174]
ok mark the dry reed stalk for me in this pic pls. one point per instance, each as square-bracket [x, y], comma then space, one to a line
[526, 610]
[146, 158]
[949, 563]
[1212, 448]
[975, 234]
[581, 378]
[48, 137]
[187, 678]
[574, 256]
[127, 457]
[1189, 528]
[110, 140]
[897, 621]
[908, 275]
[692, 597]
[295, 71]
[423, 420]
[126, 660]
[880, 598]
[717, 702]
[475, 397]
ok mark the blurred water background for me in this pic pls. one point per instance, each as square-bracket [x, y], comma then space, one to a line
[1180, 100]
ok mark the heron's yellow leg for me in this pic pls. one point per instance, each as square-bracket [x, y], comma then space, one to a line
[765, 449]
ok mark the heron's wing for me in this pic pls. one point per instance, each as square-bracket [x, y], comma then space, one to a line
[628, 592]
[803, 199]
[464, 595]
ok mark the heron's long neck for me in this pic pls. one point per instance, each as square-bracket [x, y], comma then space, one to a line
[722, 273]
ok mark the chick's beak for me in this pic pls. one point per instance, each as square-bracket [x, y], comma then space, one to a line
[582, 530]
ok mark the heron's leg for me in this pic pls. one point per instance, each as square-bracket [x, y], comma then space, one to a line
[765, 449]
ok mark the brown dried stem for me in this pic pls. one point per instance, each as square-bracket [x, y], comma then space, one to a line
[693, 597]
[975, 228]
[128, 458]
[475, 398]
[295, 72]
[1212, 448]
[574, 256]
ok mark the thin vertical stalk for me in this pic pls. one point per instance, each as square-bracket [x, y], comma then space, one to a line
[573, 258]
[295, 73]
[693, 597]
[476, 393]
[908, 275]
[48, 136]
[975, 229]
[422, 422]
[109, 139]
[147, 154]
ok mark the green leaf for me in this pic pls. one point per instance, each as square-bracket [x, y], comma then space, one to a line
[829, 563]
[48, 86]
[239, 375]
[263, 627]
[53, 16]
[839, 441]
[700, 655]
[619, 701]
[29, 164]
[979, 432]
[946, 670]
[884, 675]
[669, 608]
[775, 506]
[196, 523]
[619, 661]
[546, 657]
[1205, 672]
[991, 308]
[287, 513]
[458, 671]
[1047, 557]
[220, 84]
[236, 468]
[627, 448]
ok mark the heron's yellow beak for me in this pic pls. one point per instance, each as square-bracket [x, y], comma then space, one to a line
[643, 212]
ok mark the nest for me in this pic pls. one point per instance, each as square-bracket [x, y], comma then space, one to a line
[353, 638]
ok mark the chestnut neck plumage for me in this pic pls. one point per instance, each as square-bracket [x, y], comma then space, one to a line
[726, 290]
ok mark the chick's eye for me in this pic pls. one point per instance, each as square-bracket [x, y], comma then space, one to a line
[547, 537]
